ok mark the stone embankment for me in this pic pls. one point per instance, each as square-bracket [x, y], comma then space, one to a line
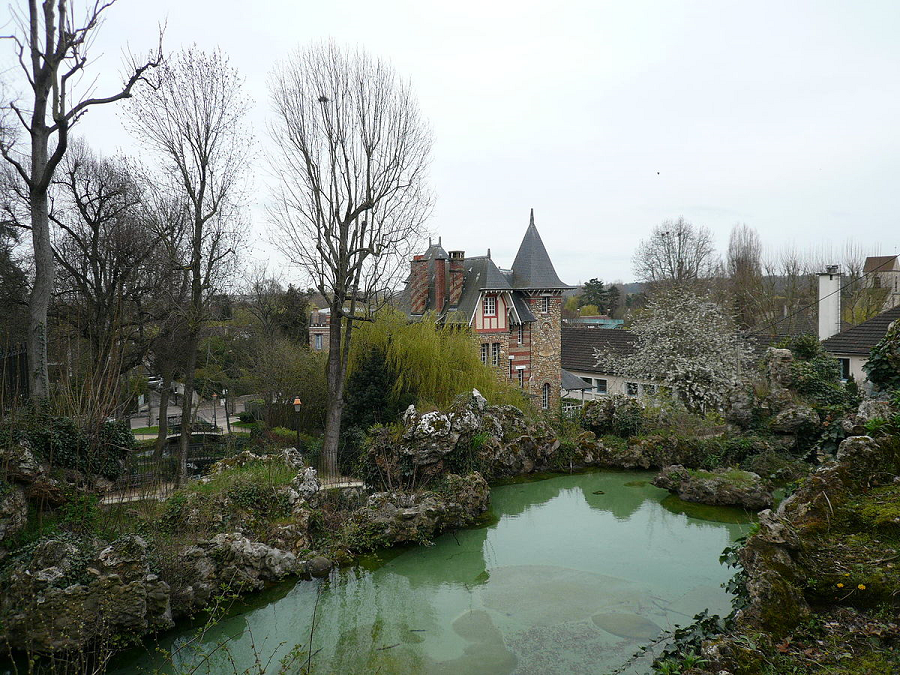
[67, 591]
[830, 550]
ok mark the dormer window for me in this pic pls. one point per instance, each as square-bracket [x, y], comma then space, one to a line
[490, 305]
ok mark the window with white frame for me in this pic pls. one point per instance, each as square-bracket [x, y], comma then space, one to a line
[318, 341]
[545, 305]
[495, 354]
[650, 389]
[631, 388]
[484, 353]
[545, 396]
[521, 333]
[600, 386]
[490, 305]
[521, 374]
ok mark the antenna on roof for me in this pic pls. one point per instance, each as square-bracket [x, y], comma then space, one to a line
[439, 241]
[489, 253]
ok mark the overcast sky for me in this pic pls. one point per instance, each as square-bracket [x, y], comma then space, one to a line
[605, 117]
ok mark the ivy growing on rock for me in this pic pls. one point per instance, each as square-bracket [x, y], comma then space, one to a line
[883, 366]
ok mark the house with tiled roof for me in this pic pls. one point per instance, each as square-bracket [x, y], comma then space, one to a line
[580, 344]
[851, 347]
[515, 313]
[883, 272]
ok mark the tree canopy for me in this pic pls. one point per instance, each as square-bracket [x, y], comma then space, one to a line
[686, 343]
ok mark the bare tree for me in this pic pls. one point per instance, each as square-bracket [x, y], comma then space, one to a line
[102, 245]
[676, 253]
[744, 268]
[352, 151]
[52, 51]
[193, 115]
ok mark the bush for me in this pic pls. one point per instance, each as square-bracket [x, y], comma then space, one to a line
[65, 444]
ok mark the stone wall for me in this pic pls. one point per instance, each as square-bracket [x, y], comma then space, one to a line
[546, 346]
[501, 338]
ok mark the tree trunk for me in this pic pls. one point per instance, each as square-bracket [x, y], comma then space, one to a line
[163, 419]
[335, 377]
[39, 299]
[187, 406]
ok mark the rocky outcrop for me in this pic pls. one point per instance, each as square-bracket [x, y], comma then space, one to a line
[59, 595]
[13, 511]
[232, 560]
[41, 484]
[722, 487]
[64, 592]
[829, 546]
[497, 440]
[390, 518]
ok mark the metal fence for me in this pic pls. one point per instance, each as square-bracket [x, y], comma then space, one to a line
[14, 372]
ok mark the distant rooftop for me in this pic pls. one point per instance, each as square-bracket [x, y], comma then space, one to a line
[860, 339]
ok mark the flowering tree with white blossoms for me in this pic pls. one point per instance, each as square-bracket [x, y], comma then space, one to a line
[688, 344]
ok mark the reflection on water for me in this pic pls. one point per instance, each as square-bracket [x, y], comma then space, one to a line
[574, 575]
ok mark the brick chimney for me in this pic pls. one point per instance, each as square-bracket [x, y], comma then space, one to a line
[418, 285]
[456, 276]
[440, 283]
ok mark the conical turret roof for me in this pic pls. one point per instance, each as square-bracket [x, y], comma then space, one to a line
[532, 267]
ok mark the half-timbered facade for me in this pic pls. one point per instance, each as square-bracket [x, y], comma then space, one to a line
[515, 313]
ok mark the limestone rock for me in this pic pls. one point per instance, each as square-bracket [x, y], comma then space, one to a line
[61, 595]
[723, 487]
[793, 418]
[306, 483]
[13, 510]
[401, 517]
[320, 566]
[778, 367]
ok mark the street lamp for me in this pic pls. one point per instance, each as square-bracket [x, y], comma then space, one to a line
[215, 396]
[297, 404]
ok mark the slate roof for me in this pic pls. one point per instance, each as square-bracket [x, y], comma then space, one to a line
[860, 339]
[572, 382]
[532, 267]
[880, 263]
[578, 343]
[480, 274]
[522, 308]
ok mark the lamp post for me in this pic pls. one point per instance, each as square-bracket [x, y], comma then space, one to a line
[297, 404]
[227, 415]
[215, 396]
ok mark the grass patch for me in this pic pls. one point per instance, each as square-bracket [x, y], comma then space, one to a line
[267, 473]
[145, 430]
[736, 476]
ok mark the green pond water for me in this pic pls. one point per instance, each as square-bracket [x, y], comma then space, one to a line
[572, 575]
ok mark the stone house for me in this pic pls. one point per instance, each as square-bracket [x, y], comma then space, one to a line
[319, 329]
[514, 313]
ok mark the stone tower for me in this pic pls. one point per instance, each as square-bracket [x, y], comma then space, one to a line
[534, 277]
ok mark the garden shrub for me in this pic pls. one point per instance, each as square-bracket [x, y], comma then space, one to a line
[66, 444]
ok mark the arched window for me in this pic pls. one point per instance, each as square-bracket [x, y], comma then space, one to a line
[545, 396]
